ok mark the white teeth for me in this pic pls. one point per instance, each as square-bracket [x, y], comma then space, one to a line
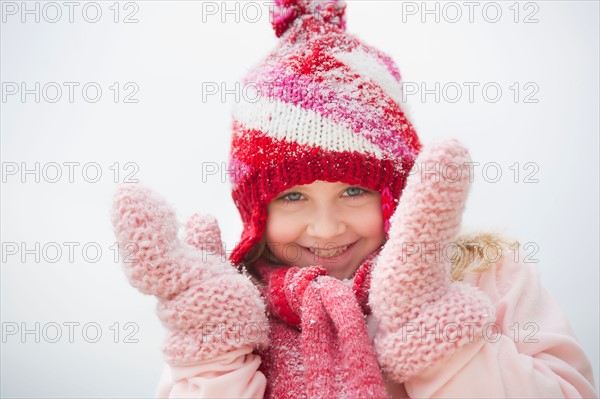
[328, 253]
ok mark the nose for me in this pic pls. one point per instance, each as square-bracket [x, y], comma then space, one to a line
[325, 224]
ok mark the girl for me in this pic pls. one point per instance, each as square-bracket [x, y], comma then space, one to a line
[350, 260]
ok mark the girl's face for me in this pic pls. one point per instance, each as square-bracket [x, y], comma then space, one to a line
[333, 225]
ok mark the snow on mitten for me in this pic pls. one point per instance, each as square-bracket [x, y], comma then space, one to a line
[422, 317]
[208, 307]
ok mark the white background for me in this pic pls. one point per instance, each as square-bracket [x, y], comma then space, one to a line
[170, 53]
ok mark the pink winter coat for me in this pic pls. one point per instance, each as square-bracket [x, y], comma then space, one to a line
[531, 352]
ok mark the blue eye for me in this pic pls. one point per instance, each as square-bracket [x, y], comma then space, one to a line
[356, 190]
[291, 197]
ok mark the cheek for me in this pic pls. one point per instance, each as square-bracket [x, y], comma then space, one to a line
[282, 229]
[369, 222]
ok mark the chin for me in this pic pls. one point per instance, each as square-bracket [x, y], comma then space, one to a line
[341, 273]
[347, 276]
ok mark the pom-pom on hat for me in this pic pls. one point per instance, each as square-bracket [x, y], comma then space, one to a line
[325, 106]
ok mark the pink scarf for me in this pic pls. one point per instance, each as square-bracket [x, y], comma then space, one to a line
[319, 342]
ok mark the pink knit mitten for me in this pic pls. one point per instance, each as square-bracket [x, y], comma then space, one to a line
[207, 306]
[422, 317]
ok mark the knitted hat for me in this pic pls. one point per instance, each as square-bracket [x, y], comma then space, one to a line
[322, 106]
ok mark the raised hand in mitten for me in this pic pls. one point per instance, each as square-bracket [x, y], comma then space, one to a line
[208, 307]
[422, 317]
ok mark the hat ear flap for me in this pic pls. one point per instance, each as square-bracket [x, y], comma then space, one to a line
[251, 235]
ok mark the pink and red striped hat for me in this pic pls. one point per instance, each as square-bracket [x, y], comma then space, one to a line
[325, 107]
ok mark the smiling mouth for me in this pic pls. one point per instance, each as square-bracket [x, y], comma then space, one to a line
[329, 252]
